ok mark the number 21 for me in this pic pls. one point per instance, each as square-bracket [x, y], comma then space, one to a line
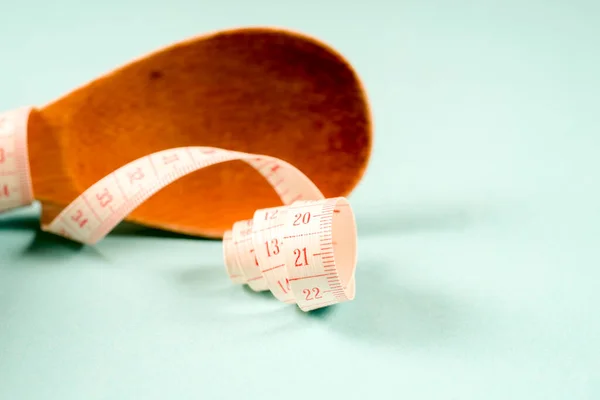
[301, 258]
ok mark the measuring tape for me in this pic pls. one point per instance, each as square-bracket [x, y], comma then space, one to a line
[304, 252]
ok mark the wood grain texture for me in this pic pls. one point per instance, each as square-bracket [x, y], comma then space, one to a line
[257, 90]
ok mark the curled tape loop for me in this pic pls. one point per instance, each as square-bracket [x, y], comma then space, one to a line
[304, 252]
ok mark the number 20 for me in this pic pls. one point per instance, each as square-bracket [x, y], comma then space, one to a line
[302, 218]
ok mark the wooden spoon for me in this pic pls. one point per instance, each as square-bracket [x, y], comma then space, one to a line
[257, 90]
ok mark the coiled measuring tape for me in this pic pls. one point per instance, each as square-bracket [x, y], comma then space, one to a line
[304, 251]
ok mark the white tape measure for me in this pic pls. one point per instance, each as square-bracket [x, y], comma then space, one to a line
[15, 181]
[304, 252]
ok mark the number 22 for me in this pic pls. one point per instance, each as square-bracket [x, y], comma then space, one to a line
[308, 292]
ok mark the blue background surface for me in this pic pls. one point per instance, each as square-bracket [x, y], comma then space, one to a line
[478, 218]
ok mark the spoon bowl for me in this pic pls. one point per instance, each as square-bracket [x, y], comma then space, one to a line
[255, 90]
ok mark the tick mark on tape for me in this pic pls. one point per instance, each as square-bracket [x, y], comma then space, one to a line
[308, 277]
[170, 159]
[300, 235]
[275, 267]
[91, 208]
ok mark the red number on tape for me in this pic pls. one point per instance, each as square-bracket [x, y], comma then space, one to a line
[105, 198]
[136, 175]
[255, 258]
[79, 219]
[287, 285]
[301, 259]
[274, 248]
[316, 291]
[302, 218]
[271, 215]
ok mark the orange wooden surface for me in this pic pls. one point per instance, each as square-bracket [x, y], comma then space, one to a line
[255, 90]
